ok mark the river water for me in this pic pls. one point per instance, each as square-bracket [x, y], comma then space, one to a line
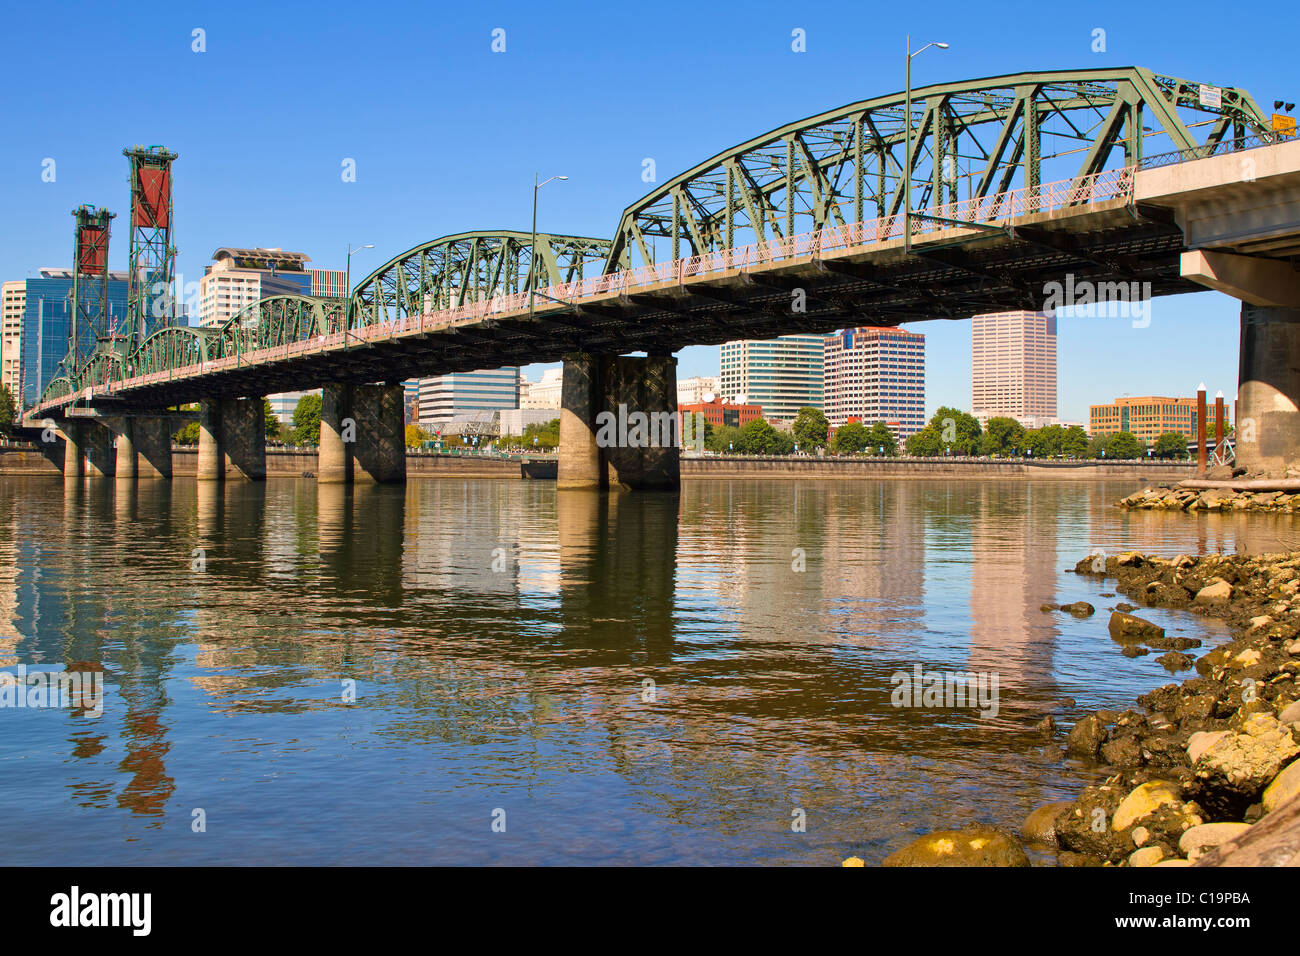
[493, 672]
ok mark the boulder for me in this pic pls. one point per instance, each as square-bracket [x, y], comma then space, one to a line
[1040, 826]
[969, 846]
[1143, 801]
[1125, 627]
[1147, 856]
[854, 861]
[1217, 591]
[1202, 741]
[1086, 737]
[1284, 787]
[1290, 714]
[1196, 840]
[1233, 771]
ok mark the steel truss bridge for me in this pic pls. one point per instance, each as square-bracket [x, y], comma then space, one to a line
[1015, 181]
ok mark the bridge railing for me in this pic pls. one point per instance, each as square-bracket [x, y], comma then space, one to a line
[1108, 185]
[1223, 148]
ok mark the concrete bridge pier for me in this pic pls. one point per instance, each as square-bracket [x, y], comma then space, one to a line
[144, 446]
[618, 423]
[1267, 437]
[88, 450]
[362, 434]
[232, 440]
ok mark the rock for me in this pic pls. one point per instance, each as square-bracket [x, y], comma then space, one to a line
[1174, 862]
[1175, 661]
[1135, 650]
[1202, 741]
[1046, 726]
[1234, 770]
[1140, 835]
[1126, 627]
[1195, 841]
[1262, 620]
[1086, 737]
[1070, 858]
[1040, 826]
[1284, 787]
[1125, 607]
[1143, 801]
[1122, 752]
[1079, 609]
[969, 846]
[1217, 592]
[1147, 856]
[1290, 714]
[853, 861]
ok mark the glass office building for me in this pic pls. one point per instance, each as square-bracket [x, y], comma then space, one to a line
[47, 322]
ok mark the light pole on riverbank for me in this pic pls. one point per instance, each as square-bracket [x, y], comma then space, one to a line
[907, 151]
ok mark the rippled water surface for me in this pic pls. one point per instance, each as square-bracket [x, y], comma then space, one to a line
[615, 678]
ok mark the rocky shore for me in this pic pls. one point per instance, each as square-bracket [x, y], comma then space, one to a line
[1180, 498]
[1206, 772]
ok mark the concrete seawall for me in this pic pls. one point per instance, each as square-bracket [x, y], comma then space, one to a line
[281, 462]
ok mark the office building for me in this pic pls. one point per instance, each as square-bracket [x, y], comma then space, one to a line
[1147, 417]
[328, 282]
[238, 278]
[13, 301]
[544, 393]
[47, 322]
[718, 413]
[781, 375]
[1013, 367]
[444, 397]
[696, 389]
[875, 374]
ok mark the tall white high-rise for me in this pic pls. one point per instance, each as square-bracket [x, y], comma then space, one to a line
[13, 302]
[444, 397]
[1013, 367]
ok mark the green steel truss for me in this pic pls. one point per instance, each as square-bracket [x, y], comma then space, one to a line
[90, 321]
[969, 139]
[472, 267]
[151, 258]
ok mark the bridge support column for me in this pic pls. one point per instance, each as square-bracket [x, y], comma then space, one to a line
[74, 460]
[97, 450]
[152, 437]
[125, 458]
[211, 463]
[618, 423]
[243, 438]
[1267, 436]
[362, 434]
[1268, 389]
[582, 392]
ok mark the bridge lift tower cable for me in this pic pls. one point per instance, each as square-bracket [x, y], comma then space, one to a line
[89, 327]
[151, 259]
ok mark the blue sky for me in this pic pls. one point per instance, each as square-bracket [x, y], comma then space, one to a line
[446, 134]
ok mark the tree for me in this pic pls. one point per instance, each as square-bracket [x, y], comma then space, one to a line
[415, 436]
[758, 437]
[547, 434]
[851, 438]
[7, 411]
[958, 430]
[1124, 445]
[724, 440]
[1170, 445]
[924, 444]
[810, 428]
[1002, 436]
[1075, 442]
[881, 441]
[272, 423]
[306, 420]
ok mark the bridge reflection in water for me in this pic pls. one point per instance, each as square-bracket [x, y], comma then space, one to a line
[499, 637]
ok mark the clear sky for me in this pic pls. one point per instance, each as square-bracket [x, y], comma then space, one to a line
[446, 134]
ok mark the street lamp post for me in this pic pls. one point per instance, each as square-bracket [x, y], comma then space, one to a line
[907, 151]
[347, 290]
[532, 247]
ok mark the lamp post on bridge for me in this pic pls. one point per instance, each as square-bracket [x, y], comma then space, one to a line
[532, 247]
[347, 289]
[907, 151]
